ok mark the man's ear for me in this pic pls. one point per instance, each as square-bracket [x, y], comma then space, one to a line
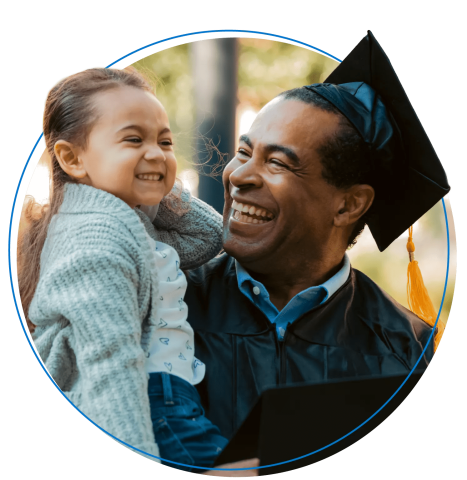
[68, 157]
[355, 204]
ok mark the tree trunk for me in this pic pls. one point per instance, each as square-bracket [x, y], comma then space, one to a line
[214, 64]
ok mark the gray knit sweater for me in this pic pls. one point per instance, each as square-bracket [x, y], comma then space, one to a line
[96, 301]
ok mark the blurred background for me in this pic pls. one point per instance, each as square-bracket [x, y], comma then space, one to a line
[212, 91]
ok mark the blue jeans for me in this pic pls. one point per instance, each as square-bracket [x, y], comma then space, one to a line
[183, 433]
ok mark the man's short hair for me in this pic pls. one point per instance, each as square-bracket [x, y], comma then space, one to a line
[345, 157]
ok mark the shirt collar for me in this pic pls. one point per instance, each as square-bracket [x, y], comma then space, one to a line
[336, 281]
[331, 286]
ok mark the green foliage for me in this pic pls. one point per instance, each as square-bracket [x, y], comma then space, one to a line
[169, 72]
[267, 68]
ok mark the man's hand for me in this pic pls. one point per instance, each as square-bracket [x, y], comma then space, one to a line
[252, 462]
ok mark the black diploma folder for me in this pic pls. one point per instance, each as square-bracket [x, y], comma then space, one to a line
[320, 419]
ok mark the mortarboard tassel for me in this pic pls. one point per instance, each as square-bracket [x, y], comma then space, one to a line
[417, 295]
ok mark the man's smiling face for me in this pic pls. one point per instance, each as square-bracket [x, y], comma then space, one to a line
[275, 180]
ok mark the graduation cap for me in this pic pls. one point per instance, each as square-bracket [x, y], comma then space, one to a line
[408, 177]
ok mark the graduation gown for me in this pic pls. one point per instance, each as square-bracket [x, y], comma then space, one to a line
[359, 331]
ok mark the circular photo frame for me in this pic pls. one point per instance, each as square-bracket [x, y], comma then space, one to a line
[285, 63]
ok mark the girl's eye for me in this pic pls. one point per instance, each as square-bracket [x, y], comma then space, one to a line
[166, 143]
[133, 140]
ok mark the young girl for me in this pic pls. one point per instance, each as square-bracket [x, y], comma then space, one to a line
[101, 287]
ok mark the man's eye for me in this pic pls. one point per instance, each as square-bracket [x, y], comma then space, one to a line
[241, 151]
[277, 162]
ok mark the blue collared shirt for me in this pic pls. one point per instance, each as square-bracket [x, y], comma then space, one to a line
[302, 302]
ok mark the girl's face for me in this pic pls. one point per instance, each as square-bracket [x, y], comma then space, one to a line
[129, 151]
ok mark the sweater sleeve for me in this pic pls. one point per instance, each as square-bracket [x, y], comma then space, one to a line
[195, 232]
[96, 292]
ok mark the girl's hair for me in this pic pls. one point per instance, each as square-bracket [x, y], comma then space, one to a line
[69, 115]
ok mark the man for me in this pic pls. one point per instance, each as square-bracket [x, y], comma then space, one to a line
[282, 304]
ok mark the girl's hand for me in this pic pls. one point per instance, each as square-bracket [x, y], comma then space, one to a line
[252, 462]
[193, 228]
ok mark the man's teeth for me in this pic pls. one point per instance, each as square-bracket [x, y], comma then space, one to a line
[149, 177]
[241, 209]
[243, 218]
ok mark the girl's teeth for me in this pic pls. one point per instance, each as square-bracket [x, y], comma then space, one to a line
[149, 177]
[245, 209]
[252, 210]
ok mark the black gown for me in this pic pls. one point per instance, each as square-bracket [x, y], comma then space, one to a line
[359, 331]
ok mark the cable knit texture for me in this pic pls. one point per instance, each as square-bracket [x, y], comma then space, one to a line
[95, 305]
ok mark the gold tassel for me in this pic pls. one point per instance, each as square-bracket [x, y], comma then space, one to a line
[417, 295]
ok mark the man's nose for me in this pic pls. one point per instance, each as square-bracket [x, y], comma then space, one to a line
[247, 174]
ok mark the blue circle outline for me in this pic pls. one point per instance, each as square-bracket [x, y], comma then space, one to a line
[154, 456]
